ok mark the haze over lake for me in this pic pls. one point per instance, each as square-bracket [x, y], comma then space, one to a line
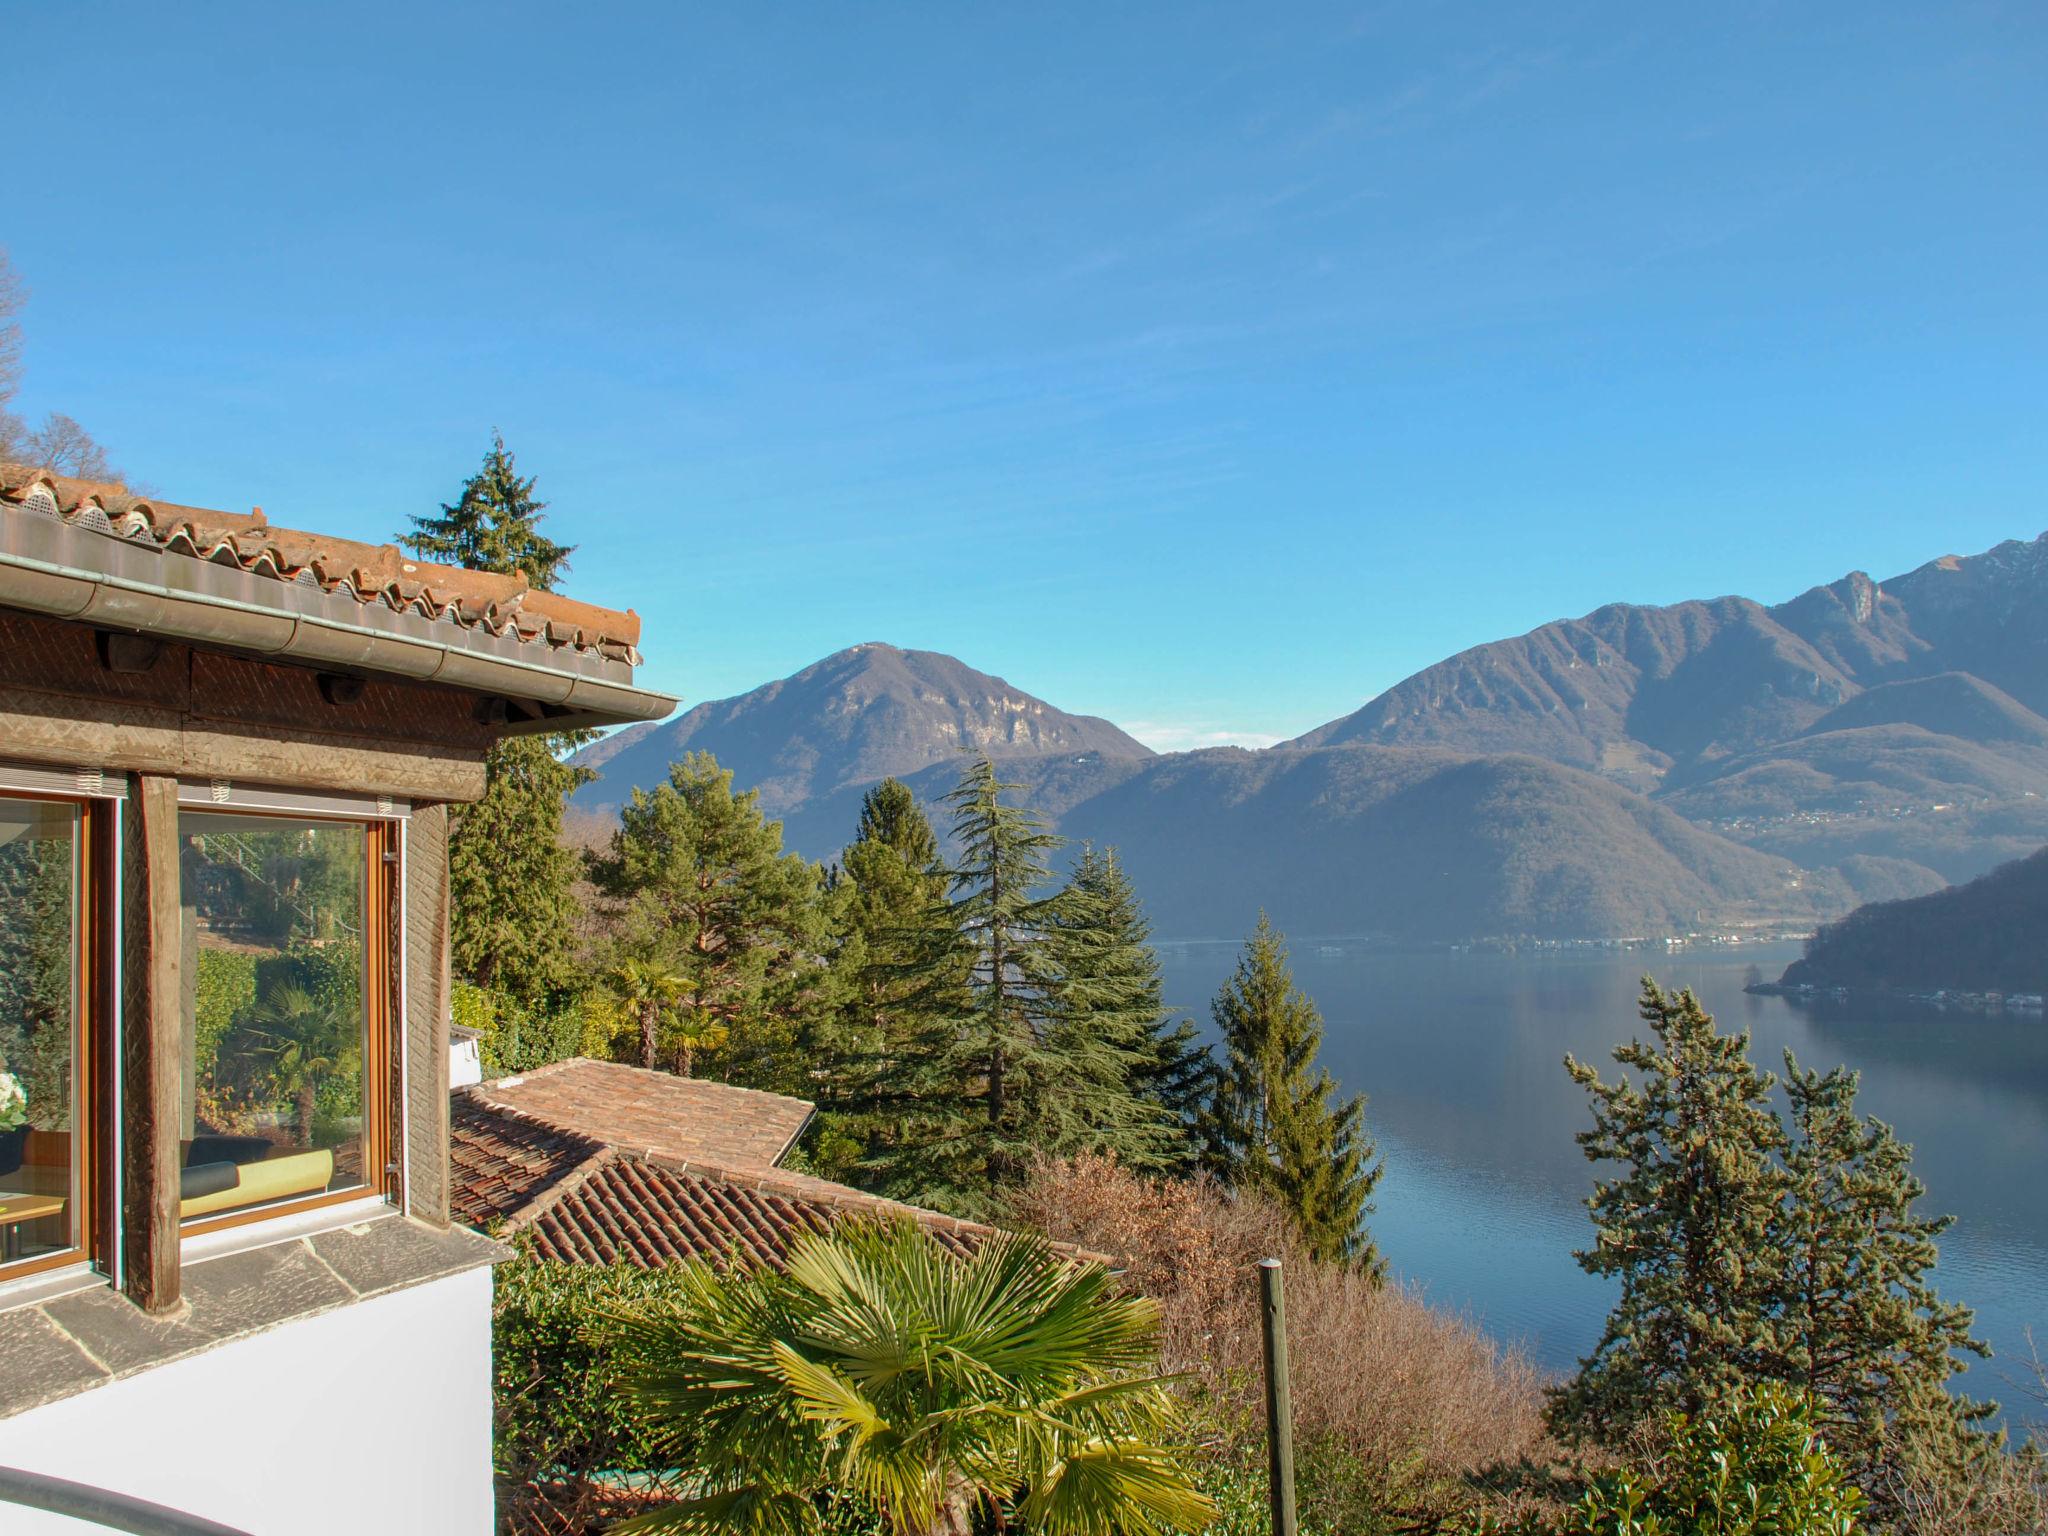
[1482, 1203]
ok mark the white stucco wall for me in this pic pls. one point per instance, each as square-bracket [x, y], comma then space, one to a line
[372, 1419]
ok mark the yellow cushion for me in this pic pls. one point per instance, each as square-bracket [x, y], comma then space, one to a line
[275, 1178]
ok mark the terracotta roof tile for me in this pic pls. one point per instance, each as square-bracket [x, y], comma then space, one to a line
[655, 1112]
[370, 573]
[580, 1156]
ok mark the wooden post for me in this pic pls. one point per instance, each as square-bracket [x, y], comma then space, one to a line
[1279, 1403]
[153, 1043]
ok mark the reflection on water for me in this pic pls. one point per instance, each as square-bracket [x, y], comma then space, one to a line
[1482, 1202]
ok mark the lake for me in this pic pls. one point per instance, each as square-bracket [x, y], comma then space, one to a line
[1483, 1199]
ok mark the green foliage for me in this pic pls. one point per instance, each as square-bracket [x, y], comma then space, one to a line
[1990, 935]
[494, 525]
[1754, 1465]
[698, 882]
[1271, 1125]
[1752, 1252]
[558, 1406]
[889, 882]
[511, 1037]
[1034, 1026]
[1011, 1383]
[1859, 1326]
[512, 903]
[223, 990]
[1686, 1227]
[1149, 1074]
[513, 908]
[36, 951]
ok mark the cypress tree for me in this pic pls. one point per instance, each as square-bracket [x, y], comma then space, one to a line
[511, 882]
[1687, 1227]
[1860, 1327]
[697, 878]
[1272, 1125]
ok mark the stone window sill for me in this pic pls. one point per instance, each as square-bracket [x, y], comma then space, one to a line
[69, 1344]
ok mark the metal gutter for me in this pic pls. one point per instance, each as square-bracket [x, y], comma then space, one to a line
[120, 583]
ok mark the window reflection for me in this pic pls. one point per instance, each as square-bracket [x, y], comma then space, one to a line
[39, 875]
[275, 1022]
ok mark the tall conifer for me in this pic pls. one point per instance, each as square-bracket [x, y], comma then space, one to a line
[1272, 1124]
[511, 881]
[1860, 1327]
[1686, 1227]
[1134, 1076]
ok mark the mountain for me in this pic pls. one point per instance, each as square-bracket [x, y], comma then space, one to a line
[1638, 772]
[1990, 935]
[841, 724]
[1905, 721]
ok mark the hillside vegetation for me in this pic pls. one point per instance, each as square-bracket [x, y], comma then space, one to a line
[1988, 936]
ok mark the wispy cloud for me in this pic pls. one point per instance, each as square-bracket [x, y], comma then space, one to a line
[1190, 736]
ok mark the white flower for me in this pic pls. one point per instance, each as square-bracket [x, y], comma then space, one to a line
[13, 1102]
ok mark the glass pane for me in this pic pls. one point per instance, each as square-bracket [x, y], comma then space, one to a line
[38, 1036]
[275, 1022]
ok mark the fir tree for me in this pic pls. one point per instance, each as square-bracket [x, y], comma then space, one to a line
[1134, 1076]
[698, 879]
[982, 981]
[889, 882]
[1860, 1327]
[1686, 1227]
[494, 525]
[511, 882]
[1271, 1125]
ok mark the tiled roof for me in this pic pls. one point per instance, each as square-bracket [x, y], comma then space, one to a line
[538, 1168]
[676, 1117]
[626, 1208]
[502, 1161]
[370, 573]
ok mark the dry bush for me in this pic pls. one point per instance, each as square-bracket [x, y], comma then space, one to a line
[1415, 1401]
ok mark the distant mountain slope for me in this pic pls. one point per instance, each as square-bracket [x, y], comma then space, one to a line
[859, 715]
[1422, 843]
[1642, 693]
[1989, 935]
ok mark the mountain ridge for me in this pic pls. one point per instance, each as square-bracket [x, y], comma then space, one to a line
[1636, 772]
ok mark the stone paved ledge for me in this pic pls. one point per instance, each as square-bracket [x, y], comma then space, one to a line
[65, 1346]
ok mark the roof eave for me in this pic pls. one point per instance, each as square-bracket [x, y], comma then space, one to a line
[48, 567]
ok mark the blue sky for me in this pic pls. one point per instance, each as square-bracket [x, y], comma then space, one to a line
[1209, 368]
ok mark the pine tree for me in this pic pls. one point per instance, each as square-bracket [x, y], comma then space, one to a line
[1860, 1327]
[1134, 1076]
[511, 882]
[494, 525]
[1271, 1125]
[697, 877]
[1687, 1227]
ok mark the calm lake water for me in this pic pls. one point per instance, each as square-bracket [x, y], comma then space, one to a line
[1483, 1198]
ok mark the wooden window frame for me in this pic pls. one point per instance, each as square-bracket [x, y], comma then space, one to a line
[381, 1045]
[93, 981]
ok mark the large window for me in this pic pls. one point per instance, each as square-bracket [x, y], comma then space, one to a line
[282, 1077]
[44, 993]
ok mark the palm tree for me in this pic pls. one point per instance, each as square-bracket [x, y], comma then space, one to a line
[1014, 1382]
[307, 1037]
[697, 1030]
[646, 987]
